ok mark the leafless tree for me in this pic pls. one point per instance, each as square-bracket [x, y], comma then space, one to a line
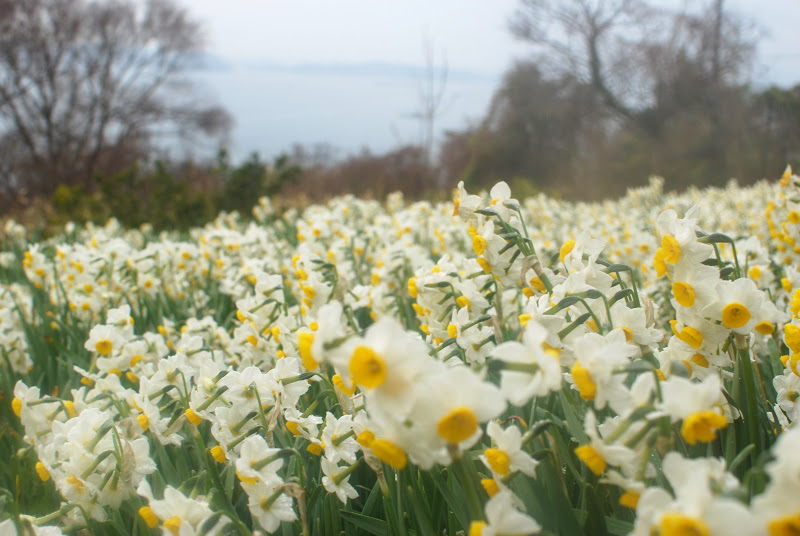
[431, 96]
[89, 86]
[583, 38]
[639, 59]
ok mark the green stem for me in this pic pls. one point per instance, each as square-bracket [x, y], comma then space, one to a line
[210, 400]
[344, 474]
[465, 476]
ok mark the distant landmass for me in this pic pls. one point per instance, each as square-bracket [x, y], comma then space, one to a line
[375, 69]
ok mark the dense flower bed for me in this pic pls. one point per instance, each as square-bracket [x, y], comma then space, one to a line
[489, 365]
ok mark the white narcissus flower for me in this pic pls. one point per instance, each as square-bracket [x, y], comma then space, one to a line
[598, 454]
[594, 373]
[633, 321]
[453, 403]
[8, 528]
[257, 461]
[503, 519]
[701, 406]
[694, 285]
[573, 251]
[269, 503]
[177, 513]
[698, 506]
[387, 364]
[287, 393]
[333, 481]
[106, 340]
[530, 370]
[788, 397]
[679, 244]
[507, 456]
[471, 338]
[465, 204]
[338, 439]
[777, 508]
[738, 305]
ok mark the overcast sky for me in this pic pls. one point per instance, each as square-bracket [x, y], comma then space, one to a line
[348, 72]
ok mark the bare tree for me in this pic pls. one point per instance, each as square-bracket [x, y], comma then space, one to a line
[583, 38]
[640, 60]
[87, 87]
[431, 95]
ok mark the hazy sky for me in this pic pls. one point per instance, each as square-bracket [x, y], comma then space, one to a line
[348, 72]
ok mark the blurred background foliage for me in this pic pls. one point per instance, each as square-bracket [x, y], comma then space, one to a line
[612, 93]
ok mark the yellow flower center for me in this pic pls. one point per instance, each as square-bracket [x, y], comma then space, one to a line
[343, 387]
[293, 427]
[412, 287]
[452, 331]
[538, 284]
[41, 470]
[674, 524]
[457, 425]
[658, 262]
[593, 459]
[16, 405]
[691, 336]
[702, 426]
[735, 315]
[629, 499]
[765, 327]
[365, 438]
[583, 381]
[700, 360]
[490, 486]
[173, 525]
[672, 250]
[304, 341]
[389, 452]
[367, 368]
[245, 479]
[143, 421]
[193, 417]
[684, 293]
[103, 347]
[498, 461]
[792, 337]
[568, 246]
[462, 301]
[786, 284]
[149, 517]
[218, 454]
[76, 483]
[487, 268]
[628, 333]
[785, 526]
[478, 244]
[476, 528]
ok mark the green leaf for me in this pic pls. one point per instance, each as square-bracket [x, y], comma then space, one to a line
[622, 294]
[563, 304]
[453, 495]
[369, 524]
[618, 527]
[715, 238]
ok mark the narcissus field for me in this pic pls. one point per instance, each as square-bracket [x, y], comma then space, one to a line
[485, 366]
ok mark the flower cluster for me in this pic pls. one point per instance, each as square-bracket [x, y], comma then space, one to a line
[486, 366]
